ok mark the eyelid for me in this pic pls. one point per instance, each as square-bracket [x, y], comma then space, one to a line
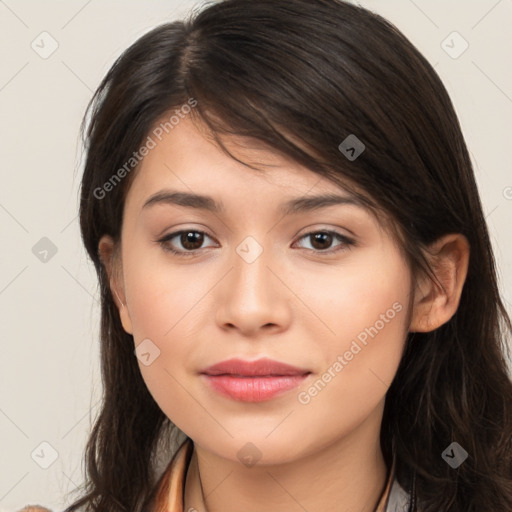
[315, 228]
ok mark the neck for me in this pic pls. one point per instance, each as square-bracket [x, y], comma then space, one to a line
[348, 474]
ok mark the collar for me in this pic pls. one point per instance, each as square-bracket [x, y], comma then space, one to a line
[169, 497]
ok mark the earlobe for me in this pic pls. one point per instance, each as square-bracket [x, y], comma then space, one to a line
[107, 255]
[436, 303]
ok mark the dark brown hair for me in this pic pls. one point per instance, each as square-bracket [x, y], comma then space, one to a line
[300, 76]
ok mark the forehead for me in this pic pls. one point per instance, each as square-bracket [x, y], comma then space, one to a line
[188, 158]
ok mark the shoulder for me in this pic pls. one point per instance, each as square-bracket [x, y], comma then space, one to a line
[34, 508]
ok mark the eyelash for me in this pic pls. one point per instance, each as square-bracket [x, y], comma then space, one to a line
[347, 243]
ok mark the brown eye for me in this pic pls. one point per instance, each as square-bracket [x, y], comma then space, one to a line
[190, 241]
[321, 241]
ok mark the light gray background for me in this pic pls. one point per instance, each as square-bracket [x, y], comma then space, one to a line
[49, 312]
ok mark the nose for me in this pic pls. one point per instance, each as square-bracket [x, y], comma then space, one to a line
[252, 297]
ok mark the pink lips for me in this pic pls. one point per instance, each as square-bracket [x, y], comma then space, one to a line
[253, 381]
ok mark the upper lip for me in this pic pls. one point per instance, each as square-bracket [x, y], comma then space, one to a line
[263, 366]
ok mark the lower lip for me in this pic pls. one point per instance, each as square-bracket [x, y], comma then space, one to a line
[254, 389]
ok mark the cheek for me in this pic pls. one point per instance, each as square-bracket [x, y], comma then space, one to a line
[361, 327]
[366, 299]
[166, 308]
[360, 362]
[161, 297]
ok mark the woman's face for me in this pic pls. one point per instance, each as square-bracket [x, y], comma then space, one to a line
[261, 282]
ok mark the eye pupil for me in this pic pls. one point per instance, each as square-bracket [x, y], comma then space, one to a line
[191, 237]
[321, 237]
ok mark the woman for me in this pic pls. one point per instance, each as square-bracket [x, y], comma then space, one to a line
[298, 288]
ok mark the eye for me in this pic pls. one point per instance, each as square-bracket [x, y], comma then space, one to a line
[321, 240]
[190, 239]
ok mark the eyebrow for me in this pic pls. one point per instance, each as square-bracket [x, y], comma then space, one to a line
[208, 203]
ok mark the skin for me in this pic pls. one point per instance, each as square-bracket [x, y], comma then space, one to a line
[34, 509]
[296, 303]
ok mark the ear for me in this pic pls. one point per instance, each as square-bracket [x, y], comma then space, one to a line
[434, 305]
[113, 268]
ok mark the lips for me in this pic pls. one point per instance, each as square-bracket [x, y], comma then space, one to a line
[261, 367]
[253, 381]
